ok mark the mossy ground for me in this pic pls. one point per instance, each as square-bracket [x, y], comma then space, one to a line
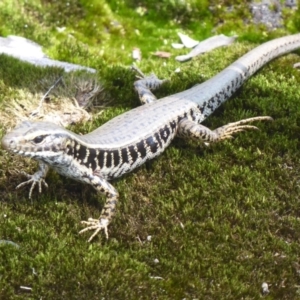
[223, 219]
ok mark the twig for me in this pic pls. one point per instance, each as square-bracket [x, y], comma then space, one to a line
[37, 111]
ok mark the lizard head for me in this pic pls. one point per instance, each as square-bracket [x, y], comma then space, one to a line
[36, 139]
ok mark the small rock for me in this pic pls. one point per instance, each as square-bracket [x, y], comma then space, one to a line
[136, 54]
[265, 288]
[187, 41]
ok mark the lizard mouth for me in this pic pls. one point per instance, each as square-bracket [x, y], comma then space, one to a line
[21, 152]
[11, 144]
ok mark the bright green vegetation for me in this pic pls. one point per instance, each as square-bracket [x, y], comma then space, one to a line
[223, 219]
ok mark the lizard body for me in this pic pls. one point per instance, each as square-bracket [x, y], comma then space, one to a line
[129, 140]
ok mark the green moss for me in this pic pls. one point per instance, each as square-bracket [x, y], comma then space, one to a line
[222, 219]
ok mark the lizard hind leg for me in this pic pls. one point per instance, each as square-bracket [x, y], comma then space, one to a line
[188, 128]
[145, 84]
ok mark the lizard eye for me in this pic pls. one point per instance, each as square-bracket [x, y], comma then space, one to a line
[38, 139]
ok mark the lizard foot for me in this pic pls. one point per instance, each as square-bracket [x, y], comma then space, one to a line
[34, 180]
[226, 131]
[95, 224]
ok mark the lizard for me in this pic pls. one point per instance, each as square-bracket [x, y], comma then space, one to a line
[134, 137]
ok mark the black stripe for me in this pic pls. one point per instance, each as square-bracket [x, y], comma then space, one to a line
[116, 157]
[192, 114]
[141, 149]
[157, 137]
[173, 125]
[81, 152]
[108, 160]
[92, 159]
[124, 156]
[152, 144]
[133, 153]
[101, 159]
[164, 133]
[70, 150]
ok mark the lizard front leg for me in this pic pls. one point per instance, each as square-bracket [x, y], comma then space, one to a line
[108, 210]
[38, 178]
[190, 129]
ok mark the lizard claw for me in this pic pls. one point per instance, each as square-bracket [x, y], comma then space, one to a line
[95, 224]
[34, 180]
[227, 131]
